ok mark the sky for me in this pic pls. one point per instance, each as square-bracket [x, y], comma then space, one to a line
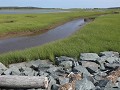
[62, 3]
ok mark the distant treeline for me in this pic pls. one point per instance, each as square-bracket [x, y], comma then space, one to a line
[25, 8]
[114, 8]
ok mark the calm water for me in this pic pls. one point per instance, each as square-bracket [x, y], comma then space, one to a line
[33, 11]
[60, 32]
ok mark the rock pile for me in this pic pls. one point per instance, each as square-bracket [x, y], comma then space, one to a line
[90, 72]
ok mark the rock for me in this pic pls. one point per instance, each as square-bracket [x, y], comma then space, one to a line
[118, 79]
[89, 56]
[12, 71]
[63, 58]
[102, 83]
[75, 63]
[18, 65]
[97, 88]
[66, 64]
[89, 64]
[102, 66]
[112, 60]
[119, 84]
[1, 71]
[26, 71]
[112, 66]
[92, 67]
[89, 78]
[53, 69]
[97, 77]
[39, 64]
[84, 84]
[101, 73]
[41, 73]
[81, 69]
[63, 80]
[51, 82]
[110, 85]
[109, 54]
[2, 67]
[111, 89]
[55, 87]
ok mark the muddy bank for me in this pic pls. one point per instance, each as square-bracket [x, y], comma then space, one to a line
[20, 43]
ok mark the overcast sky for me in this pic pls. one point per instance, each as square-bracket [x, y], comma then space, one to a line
[62, 3]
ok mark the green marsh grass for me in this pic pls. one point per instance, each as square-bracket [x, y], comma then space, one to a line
[10, 23]
[102, 34]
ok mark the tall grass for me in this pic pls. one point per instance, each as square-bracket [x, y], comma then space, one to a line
[37, 22]
[100, 35]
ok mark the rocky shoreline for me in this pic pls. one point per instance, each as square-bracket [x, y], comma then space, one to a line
[91, 72]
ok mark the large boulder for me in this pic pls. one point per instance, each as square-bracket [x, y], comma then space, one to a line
[12, 71]
[112, 65]
[112, 60]
[109, 54]
[89, 56]
[92, 67]
[81, 69]
[84, 84]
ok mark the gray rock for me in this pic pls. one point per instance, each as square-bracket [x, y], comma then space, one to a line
[97, 77]
[27, 71]
[110, 85]
[112, 60]
[41, 73]
[102, 66]
[89, 64]
[63, 58]
[101, 59]
[3, 67]
[97, 88]
[39, 64]
[84, 84]
[1, 71]
[89, 78]
[53, 69]
[66, 64]
[63, 80]
[92, 67]
[118, 79]
[12, 71]
[51, 82]
[75, 63]
[109, 54]
[111, 89]
[18, 65]
[89, 56]
[118, 84]
[112, 66]
[81, 69]
[55, 87]
[102, 74]
[102, 83]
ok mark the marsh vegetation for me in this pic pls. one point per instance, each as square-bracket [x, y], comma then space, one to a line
[100, 35]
